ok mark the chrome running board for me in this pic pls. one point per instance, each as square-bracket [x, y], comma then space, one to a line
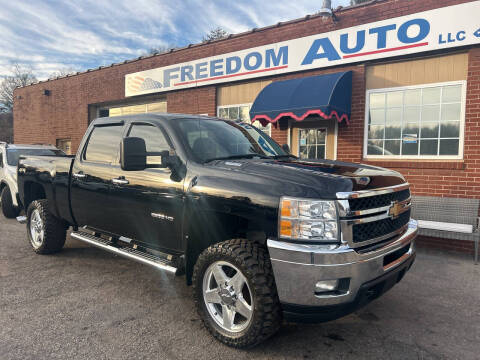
[127, 252]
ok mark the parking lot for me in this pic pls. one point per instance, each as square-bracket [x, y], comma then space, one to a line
[85, 303]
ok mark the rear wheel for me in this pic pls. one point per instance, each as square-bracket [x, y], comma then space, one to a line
[8, 209]
[235, 293]
[46, 233]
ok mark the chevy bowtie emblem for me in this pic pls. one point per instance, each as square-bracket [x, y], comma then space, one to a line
[395, 210]
[364, 180]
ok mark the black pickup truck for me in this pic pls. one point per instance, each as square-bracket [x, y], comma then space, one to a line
[262, 235]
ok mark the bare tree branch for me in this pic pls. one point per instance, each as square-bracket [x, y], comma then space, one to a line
[158, 49]
[215, 34]
[62, 72]
[22, 76]
[154, 50]
[356, 2]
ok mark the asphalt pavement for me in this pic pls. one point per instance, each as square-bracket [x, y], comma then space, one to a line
[84, 303]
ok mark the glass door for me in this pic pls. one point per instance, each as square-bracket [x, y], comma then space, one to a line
[312, 143]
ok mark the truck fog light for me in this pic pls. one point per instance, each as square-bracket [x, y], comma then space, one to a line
[326, 286]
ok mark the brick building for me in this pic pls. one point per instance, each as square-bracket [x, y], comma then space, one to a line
[415, 92]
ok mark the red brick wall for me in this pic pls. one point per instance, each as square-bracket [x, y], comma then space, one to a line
[197, 101]
[350, 137]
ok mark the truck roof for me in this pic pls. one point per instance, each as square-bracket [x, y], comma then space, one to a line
[27, 146]
[150, 116]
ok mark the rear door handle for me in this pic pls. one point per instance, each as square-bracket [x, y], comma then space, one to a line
[120, 181]
[79, 175]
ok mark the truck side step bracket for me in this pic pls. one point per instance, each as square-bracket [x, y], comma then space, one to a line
[22, 219]
[127, 252]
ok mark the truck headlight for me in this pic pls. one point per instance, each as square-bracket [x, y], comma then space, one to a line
[314, 220]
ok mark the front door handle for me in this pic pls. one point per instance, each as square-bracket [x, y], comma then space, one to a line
[120, 181]
[79, 175]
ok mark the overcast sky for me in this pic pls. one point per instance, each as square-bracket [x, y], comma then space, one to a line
[51, 35]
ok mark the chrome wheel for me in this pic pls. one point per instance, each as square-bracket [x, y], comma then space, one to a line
[227, 296]
[37, 231]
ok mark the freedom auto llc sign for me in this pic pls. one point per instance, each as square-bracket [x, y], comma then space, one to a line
[442, 28]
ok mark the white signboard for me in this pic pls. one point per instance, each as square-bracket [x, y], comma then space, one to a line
[447, 27]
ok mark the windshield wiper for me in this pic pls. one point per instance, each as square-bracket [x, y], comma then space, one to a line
[233, 157]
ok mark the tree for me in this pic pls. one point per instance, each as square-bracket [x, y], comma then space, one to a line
[159, 49]
[215, 34]
[22, 76]
[356, 2]
[62, 72]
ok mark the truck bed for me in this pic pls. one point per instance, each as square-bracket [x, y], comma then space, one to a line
[50, 174]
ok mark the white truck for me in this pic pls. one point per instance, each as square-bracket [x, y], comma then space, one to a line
[9, 155]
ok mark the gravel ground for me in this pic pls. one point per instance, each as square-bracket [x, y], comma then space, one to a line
[87, 304]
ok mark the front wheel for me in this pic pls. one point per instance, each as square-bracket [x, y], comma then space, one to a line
[8, 209]
[46, 233]
[235, 293]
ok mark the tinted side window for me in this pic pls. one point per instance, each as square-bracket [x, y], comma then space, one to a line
[104, 144]
[155, 141]
[1, 159]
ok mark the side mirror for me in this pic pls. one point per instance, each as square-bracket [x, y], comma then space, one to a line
[169, 160]
[286, 148]
[133, 154]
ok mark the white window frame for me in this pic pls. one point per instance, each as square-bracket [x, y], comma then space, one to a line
[238, 105]
[463, 83]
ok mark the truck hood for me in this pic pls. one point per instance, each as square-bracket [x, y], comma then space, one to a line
[323, 177]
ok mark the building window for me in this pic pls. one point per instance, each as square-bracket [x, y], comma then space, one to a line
[134, 109]
[65, 145]
[241, 112]
[415, 122]
[312, 143]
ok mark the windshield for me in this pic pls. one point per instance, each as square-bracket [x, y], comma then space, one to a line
[14, 154]
[221, 139]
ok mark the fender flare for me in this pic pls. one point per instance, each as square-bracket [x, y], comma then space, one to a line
[193, 247]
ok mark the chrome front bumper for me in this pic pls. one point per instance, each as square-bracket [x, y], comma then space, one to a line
[297, 268]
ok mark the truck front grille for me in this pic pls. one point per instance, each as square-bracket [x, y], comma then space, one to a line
[375, 229]
[377, 201]
[374, 216]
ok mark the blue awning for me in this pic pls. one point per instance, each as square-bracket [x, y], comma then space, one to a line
[328, 96]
